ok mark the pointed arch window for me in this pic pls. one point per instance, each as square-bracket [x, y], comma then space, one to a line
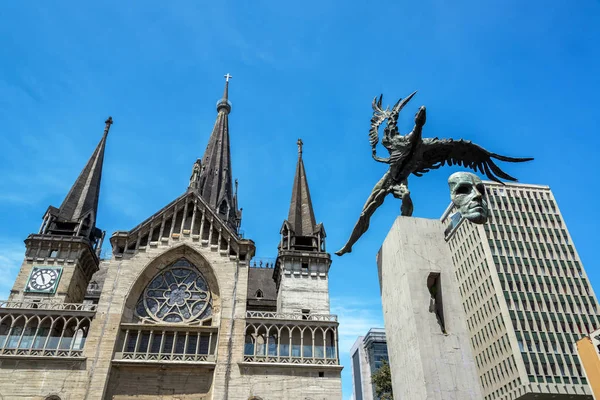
[177, 294]
[259, 294]
[224, 208]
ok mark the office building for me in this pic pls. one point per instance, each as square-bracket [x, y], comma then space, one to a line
[588, 349]
[368, 354]
[525, 293]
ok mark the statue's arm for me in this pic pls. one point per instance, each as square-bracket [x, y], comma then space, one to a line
[380, 159]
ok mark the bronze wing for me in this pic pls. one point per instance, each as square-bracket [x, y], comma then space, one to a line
[435, 153]
[379, 115]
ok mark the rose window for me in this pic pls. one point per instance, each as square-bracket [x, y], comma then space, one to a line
[177, 294]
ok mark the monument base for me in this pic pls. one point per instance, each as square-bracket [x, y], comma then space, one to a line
[428, 340]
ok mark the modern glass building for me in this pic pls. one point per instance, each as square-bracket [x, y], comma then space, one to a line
[368, 354]
[525, 293]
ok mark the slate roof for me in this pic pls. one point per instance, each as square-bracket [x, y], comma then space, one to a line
[301, 216]
[261, 279]
[215, 182]
[85, 192]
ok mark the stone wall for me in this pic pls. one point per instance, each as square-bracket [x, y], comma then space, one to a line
[286, 383]
[160, 382]
[303, 288]
[96, 378]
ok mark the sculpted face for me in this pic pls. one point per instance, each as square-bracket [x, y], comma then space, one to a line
[468, 195]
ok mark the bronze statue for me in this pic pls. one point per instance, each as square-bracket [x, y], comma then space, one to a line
[468, 195]
[411, 154]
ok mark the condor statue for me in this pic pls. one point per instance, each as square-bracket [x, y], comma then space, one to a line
[412, 154]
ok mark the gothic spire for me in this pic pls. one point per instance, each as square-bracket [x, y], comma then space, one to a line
[301, 216]
[214, 182]
[76, 216]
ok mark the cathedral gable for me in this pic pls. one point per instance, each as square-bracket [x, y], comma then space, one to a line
[187, 217]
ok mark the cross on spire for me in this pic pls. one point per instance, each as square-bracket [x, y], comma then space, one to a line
[107, 125]
[224, 103]
[300, 143]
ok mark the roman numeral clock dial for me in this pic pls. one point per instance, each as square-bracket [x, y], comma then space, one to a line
[43, 279]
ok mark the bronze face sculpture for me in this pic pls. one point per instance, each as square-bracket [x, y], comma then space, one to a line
[468, 195]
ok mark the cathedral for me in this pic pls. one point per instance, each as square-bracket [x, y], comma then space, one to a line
[179, 311]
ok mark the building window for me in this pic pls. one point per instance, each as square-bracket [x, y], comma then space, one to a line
[357, 375]
[259, 294]
[305, 313]
[177, 294]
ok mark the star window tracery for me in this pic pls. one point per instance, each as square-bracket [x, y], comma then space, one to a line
[177, 294]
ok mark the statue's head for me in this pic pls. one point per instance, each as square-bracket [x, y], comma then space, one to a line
[468, 195]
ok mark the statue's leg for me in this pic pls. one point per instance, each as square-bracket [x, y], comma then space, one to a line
[381, 189]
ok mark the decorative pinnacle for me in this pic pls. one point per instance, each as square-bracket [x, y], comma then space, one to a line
[108, 123]
[224, 102]
[226, 93]
[300, 143]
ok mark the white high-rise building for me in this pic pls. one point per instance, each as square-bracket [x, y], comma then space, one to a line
[525, 293]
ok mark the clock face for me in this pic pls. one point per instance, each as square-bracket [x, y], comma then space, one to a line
[43, 279]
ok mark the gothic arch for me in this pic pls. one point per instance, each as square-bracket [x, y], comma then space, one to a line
[224, 208]
[158, 264]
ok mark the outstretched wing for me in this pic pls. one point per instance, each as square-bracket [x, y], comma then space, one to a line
[379, 115]
[436, 153]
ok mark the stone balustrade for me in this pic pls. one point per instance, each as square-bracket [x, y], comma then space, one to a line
[291, 316]
[290, 360]
[6, 305]
[291, 338]
[166, 344]
[39, 334]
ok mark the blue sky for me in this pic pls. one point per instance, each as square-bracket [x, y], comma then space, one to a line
[520, 78]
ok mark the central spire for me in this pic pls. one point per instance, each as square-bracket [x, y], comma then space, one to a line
[211, 176]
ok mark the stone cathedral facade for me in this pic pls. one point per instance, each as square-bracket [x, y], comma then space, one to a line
[180, 310]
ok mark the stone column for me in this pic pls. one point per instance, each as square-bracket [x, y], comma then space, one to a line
[428, 340]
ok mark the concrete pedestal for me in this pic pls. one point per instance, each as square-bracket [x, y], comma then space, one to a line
[428, 340]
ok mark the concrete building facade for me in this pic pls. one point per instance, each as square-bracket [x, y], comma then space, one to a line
[426, 329]
[525, 293]
[179, 310]
[367, 354]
